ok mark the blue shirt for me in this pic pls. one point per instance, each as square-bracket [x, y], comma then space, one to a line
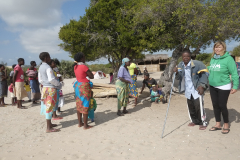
[189, 88]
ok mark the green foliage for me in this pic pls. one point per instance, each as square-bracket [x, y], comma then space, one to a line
[205, 58]
[105, 68]
[66, 69]
[116, 28]
[236, 51]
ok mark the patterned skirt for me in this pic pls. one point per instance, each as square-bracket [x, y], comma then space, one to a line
[48, 101]
[83, 96]
[122, 93]
[133, 87]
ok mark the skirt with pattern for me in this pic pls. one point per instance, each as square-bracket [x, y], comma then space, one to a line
[133, 91]
[83, 96]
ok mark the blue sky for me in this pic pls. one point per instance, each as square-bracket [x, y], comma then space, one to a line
[28, 27]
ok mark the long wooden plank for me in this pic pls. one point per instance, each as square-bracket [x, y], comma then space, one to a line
[104, 85]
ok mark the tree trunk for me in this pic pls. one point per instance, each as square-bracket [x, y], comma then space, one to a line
[166, 77]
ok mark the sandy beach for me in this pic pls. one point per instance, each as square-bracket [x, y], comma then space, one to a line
[135, 136]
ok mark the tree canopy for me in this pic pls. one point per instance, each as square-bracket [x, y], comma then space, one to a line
[236, 51]
[117, 28]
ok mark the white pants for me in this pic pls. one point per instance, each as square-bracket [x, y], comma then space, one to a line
[29, 95]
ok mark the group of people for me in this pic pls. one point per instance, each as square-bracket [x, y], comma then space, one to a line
[126, 86]
[19, 88]
[194, 78]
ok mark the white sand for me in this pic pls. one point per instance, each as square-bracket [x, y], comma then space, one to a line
[133, 136]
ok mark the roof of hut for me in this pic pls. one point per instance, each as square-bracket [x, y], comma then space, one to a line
[155, 57]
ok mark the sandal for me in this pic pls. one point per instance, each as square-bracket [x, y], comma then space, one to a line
[125, 112]
[191, 124]
[53, 130]
[120, 114]
[201, 127]
[22, 107]
[58, 118]
[225, 130]
[215, 129]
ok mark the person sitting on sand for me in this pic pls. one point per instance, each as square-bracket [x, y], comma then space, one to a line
[92, 107]
[149, 82]
[82, 89]
[156, 95]
[18, 83]
[194, 82]
[49, 91]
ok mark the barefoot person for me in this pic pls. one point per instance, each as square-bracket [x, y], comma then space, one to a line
[221, 67]
[52, 64]
[18, 82]
[193, 80]
[150, 82]
[82, 89]
[3, 85]
[122, 88]
[92, 107]
[49, 91]
[36, 95]
[133, 86]
[156, 95]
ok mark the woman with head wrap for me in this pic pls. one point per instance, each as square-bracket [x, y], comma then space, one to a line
[122, 88]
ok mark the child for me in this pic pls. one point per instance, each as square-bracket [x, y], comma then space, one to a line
[56, 108]
[61, 102]
[92, 107]
[28, 89]
[31, 72]
[12, 94]
[111, 76]
[156, 95]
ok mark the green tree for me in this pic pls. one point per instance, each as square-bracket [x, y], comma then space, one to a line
[205, 58]
[105, 31]
[116, 28]
[236, 51]
[180, 25]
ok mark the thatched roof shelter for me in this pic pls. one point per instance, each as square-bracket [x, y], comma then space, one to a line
[154, 57]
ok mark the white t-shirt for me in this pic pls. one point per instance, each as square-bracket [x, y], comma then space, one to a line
[225, 87]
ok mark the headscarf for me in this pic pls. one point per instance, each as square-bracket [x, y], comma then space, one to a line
[124, 61]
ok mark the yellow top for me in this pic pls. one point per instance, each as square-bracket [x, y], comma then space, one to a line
[27, 88]
[203, 70]
[131, 68]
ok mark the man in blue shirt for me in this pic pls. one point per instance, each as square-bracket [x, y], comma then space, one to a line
[193, 80]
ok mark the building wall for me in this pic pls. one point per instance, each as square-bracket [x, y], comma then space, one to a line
[237, 58]
[150, 67]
